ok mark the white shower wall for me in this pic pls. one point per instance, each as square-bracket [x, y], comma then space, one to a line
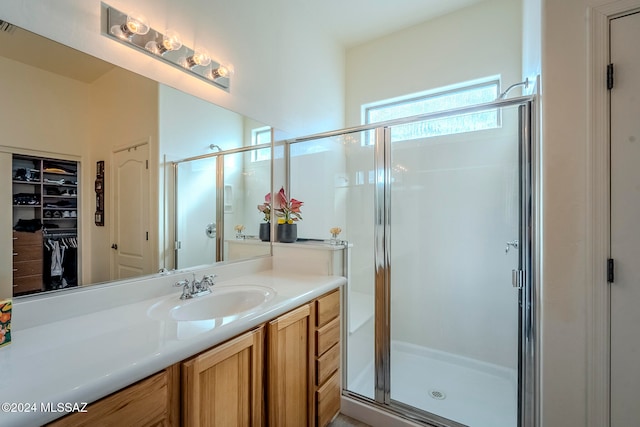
[319, 180]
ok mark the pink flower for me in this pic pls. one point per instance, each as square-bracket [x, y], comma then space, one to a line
[287, 210]
[265, 208]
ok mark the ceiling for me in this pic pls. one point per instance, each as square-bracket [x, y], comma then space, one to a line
[353, 22]
[16, 44]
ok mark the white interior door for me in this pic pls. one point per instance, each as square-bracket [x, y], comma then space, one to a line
[625, 212]
[130, 244]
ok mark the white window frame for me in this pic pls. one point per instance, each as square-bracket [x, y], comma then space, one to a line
[255, 133]
[493, 81]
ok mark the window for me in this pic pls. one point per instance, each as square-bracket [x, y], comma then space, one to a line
[438, 100]
[261, 136]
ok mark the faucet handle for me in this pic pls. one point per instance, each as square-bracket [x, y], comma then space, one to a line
[208, 279]
[183, 282]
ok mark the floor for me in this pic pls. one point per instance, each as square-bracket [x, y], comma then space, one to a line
[469, 392]
[344, 421]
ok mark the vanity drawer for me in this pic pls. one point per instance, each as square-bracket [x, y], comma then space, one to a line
[327, 364]
[27, 268]
[328, 400]
[327, 336]
[27, 283]
[327, 308]
[22, 238]
[27, 253]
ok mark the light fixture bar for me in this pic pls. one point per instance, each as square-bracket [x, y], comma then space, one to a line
[154, 43]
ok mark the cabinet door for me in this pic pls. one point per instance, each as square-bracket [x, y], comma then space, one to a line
[290, 377]
[151, 402]
[223, 386]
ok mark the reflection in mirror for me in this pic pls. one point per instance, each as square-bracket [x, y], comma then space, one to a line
[325, 196]
[217, 219]
[68, 109]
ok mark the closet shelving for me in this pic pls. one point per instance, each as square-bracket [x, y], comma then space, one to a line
[46, 191]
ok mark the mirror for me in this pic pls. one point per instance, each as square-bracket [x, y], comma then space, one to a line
[203, 211]
[69, 111]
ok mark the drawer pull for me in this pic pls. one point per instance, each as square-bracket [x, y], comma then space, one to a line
[15, 254]
[15, 269]
[15, 238]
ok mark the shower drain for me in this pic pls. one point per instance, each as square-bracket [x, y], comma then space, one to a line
[437, 394]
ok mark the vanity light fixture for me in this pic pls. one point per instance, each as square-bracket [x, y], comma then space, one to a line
[134, 30]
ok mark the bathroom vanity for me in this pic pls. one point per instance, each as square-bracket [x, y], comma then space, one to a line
[278, 364]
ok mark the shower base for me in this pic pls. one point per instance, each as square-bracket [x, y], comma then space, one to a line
[464, 390]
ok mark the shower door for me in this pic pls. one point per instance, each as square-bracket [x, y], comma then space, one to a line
[197, 222]
[454, 237]
[451, 342]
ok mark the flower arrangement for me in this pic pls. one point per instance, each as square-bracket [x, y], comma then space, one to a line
[5, 322]
[265, 208]
[288, 210]
[335, 231]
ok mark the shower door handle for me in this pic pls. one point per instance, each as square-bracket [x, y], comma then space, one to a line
[517, 279]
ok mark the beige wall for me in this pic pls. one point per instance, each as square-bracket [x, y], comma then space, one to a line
[124, 112]
[34, 118]
[6, 225]
[35, 121]
[58, 117]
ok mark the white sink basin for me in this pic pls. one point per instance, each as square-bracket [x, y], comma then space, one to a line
[222, 302]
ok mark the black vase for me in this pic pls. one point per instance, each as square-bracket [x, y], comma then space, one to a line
[287, 233]
[265, 231]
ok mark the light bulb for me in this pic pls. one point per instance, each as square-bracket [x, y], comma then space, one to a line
[221, 71]
[200, 57]
[136, 23]
[170, 41]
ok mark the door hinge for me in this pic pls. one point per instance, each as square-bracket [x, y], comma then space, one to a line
[517, 278]
[610, 270]
[610, 76]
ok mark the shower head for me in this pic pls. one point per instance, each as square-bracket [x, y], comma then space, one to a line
[215, 147]
[525, 84]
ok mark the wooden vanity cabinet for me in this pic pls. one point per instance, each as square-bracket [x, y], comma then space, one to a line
[227, 385]
[303, 358]
[153, 401]
[223, 386]
[326, 388]
[290, 368]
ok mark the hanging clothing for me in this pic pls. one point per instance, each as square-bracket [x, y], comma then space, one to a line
[57, 257]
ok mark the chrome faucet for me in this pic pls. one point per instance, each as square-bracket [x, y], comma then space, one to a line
[196, 288]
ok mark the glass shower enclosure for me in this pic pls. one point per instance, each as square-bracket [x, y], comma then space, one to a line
[439, 302]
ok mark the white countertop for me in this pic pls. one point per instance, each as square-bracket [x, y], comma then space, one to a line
[88, 356]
